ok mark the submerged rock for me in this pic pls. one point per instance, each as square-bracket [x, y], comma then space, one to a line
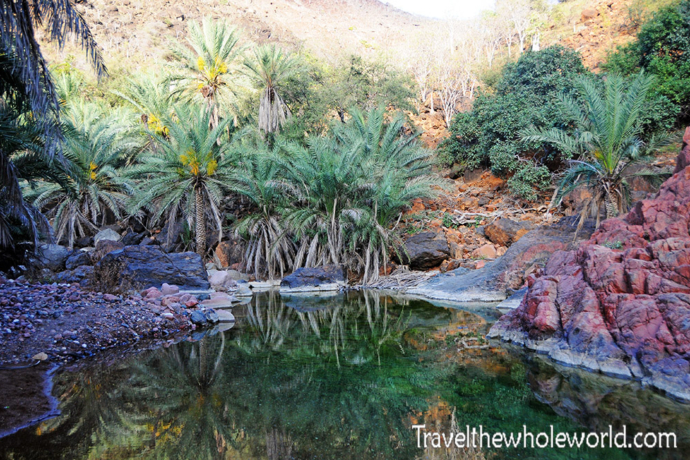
[138, 267]
[620, 303]
[326, 278]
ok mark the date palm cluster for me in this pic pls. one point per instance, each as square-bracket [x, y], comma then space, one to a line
[170, 148]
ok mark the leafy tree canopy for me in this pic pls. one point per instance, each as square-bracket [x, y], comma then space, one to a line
[662, 48]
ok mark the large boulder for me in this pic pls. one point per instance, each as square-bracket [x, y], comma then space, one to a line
[425, 250]
[326, 278]
[82, 275]
[139, 267]
[107, 234]
[53, 256]
[620, 303]
[497, 279]
[76, 259]
[505, 231]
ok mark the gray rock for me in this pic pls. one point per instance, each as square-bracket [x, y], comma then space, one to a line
[489, 284]
[425, 250]
[212, 316]
[326, 278]
[76, 259]
[132, 238]
[243, 291]
[513, 301]
[140, 267]
[106, 234]
[198, 317]
[237, 276]
[81, 275]
[53, 256]
[225, 316]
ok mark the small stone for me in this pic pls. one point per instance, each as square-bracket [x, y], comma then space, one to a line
[485, 252]
[40, 356]
[169, 289]
[198, 317]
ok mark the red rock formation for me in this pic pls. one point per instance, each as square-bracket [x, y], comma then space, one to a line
[620, 303]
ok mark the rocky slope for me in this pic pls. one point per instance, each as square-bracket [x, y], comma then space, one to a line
[620, 303]
[135, 34]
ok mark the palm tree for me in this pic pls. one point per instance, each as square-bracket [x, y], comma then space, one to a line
[348, 190]
[270, 250]
[607, 141]
[150, 96]
[269, 70]
[30, 103]
[17, 21]
[206, 65]
[22, 157]
[189, 175]
[96, 146]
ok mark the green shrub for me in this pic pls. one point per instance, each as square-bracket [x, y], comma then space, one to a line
[662, 48]
[526, 94]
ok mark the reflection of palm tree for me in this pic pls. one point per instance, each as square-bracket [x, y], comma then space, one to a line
[176, 401]
[358, 328]
[289, 384]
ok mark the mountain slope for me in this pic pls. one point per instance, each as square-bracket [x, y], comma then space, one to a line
[135, 33]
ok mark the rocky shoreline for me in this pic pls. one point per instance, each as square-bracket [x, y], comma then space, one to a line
[62, 322]
[620, 303]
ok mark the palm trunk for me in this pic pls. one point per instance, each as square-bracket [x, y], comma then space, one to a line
[200, 223]
[611, 206]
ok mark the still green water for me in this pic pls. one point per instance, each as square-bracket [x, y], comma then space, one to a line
[342, 377]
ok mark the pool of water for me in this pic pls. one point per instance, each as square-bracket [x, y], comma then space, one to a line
[340, 377]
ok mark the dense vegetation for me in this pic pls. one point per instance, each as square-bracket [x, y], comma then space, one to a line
[321, 151]
[540, 92]
[662, 49]
[168, 148]
[607, 142]
[527, 94]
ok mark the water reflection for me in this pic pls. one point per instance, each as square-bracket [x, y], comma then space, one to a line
[341, 377]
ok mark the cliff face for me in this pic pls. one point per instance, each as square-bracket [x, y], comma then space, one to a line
[620, 303]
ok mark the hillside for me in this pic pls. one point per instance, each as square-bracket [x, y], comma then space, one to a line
[135, 33]
[596, 27]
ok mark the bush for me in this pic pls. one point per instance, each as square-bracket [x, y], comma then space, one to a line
[527, 94]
